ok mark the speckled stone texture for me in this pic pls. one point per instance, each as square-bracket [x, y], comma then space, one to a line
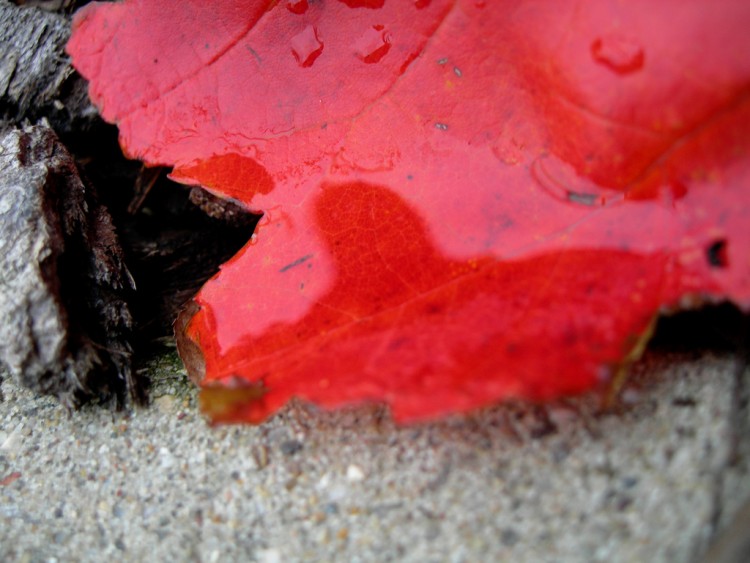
[654, 481]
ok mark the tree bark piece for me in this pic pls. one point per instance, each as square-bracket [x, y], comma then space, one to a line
[65, 324]
[36, 79]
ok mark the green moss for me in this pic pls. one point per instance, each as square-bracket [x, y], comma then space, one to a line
[167, 376]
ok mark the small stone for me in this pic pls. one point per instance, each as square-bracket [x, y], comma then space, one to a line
[290, 447]
[165, 403]
[166, 458]
[260, 455]
[354, 473]
[509, 537]
[331, 508]
[271, 555]
[629, 482]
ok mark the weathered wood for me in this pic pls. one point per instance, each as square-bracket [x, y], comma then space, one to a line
[36, 79]
[65, 324]
[65, 6]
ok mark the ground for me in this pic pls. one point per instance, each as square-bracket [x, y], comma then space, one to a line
[656, 479]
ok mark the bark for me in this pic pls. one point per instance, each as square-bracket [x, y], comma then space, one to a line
[36, 79]
[65, 324]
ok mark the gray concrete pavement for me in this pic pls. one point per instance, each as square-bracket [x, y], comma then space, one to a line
[654, 482]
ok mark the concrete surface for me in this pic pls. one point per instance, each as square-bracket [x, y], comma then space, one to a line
[653, 482]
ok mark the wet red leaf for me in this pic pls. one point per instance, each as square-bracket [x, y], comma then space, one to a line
[463, 201]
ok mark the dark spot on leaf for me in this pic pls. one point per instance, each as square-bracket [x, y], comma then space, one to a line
[297, 262]
[397, 343]
[716, 254]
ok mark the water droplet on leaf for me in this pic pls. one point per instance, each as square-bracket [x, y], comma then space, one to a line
[235, 175]
[560, 180]
[373, 45]
[297, 6]
[509, 152]
[307, 46]
[618, 53]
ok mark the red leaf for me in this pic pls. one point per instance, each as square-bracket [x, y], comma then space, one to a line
[464, 201]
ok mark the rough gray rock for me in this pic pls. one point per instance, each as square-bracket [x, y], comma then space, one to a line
[65, 325]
